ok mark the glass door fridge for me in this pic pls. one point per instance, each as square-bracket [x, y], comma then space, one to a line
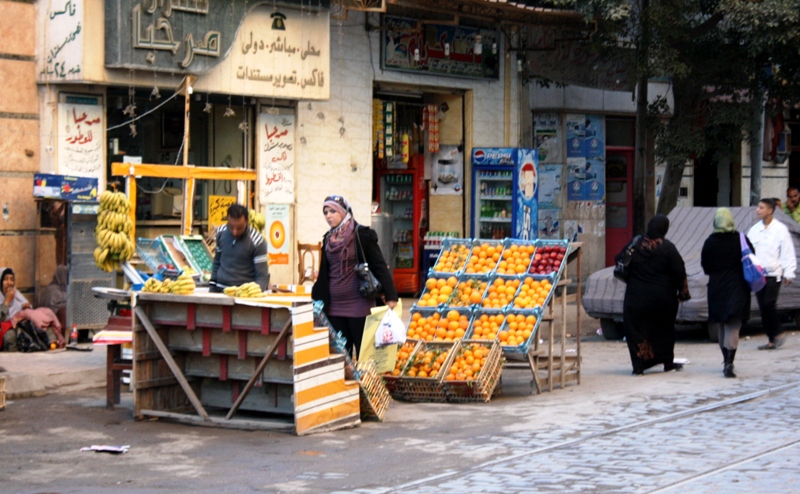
[401, 194]
[492, 209]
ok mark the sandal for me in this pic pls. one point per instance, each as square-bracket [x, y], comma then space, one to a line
[768, 346]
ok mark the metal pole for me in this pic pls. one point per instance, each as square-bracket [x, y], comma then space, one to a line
[756, 150]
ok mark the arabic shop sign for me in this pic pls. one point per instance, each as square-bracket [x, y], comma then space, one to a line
[63, 43]
[410, 46]
[276, 158]
[281, 53]
[80, 140]
[180, 36]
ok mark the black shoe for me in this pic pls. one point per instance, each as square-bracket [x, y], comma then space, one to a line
[673, 367]
[727, 370]
[779, 341]
[637, 373]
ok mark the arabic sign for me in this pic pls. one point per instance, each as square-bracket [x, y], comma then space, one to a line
[193, 36]
[292, 62]
[80, 140]
[218, 210]
[63, 42]
[276, 158]
[409, 45]
[277, 216]
[64, 188]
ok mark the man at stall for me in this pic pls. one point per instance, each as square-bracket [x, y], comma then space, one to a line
[241, 255]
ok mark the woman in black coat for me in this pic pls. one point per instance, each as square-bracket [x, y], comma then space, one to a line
[344, 246]
[656, 283]
[728, 292]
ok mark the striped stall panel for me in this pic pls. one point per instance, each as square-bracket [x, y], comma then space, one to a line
[323, 400]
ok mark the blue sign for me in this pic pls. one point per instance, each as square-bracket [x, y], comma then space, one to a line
[65, 188]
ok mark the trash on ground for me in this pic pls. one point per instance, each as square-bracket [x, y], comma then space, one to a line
[683, 361]
[107, 449]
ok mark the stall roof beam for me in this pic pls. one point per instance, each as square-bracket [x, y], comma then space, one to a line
[183, 172]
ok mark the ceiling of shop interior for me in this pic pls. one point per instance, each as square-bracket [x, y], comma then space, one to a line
[484, 13]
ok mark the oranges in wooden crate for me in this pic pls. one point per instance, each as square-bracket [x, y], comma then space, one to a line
[468, 292]
[438, 328]
[518, 328]
[500, 293]
[468, 363]
[532, 293]
[515, 259]
[427, 362]
[403, 354]
[486, 326]
[484, 258]
[437, 291]
[452, 259]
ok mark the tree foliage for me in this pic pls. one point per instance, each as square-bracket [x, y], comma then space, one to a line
[721, 57]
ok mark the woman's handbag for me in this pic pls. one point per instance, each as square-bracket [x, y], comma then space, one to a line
[623, 260]
[754, 274]
[368, 285]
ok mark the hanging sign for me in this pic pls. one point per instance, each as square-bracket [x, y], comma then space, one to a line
[80, 140]
[277, 219]
[63, 42]
[218, 210]
[276, 158]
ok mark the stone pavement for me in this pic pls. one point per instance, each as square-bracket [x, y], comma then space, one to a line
[36, 374]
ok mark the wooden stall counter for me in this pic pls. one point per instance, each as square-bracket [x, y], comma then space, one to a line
[208, 353]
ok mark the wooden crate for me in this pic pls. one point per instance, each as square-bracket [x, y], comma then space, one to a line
[483, 386]
[426, 389]
[375, 398]
[2, 392]
[390, 381]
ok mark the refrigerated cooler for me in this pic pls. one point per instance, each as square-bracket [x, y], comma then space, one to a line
[504, 193]
[401, 193]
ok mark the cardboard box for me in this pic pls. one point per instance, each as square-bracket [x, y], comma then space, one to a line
[168, 202]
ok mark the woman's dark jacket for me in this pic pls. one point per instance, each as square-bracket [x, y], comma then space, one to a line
[728, 292]
[374, 258]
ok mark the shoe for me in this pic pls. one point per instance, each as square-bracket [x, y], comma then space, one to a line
[779, 341]
[768, 346]
[673, 367]
[637, 374]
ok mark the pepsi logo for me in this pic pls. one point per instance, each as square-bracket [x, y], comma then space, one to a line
[478, 156]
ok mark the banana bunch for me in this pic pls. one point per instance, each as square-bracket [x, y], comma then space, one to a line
[248, 290]
[257, 221]
[114, 243]
[184, 285]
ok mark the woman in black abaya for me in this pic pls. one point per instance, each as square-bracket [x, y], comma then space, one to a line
[656, 283]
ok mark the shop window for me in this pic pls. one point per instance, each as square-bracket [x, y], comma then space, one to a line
[620, 132]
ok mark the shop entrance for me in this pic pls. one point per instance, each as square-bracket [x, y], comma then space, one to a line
[619, 201]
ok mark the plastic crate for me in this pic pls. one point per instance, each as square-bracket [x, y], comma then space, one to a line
[414, 329]
[499, 245]
[199, 252]
[150, 251]
[427, 389]
[487, 294]
[507, 247]
[427, 291]
[175, 251]
[478, 282]
[477, 316]
[484, 384]
[553, 282]
[521, 349]
[552, 243]
[449, 244]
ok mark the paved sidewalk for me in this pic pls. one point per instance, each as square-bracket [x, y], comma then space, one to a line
[37, 374]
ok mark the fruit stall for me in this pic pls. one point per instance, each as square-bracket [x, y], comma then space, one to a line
[483, 308]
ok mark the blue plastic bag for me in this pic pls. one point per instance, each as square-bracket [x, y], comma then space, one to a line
[754, 274]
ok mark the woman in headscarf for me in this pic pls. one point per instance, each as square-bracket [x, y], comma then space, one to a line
[54, 295]
[728, 292]
[657, 280]
[12, 301]
[344, 246]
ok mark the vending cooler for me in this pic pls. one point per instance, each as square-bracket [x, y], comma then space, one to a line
[504, 193]
[401, 192]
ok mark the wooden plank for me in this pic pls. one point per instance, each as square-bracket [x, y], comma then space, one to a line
[155, 383]
[262, 425]
[195, 298]
[176, 371]
[259, 369]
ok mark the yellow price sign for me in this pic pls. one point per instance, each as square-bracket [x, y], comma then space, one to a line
[218, 210]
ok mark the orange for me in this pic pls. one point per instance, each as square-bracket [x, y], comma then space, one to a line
[453, 315]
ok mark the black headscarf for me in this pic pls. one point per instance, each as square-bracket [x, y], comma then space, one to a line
[658, 227]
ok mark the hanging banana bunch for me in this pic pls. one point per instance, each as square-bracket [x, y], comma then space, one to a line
[257, 221]
[113, 232]
[248, 290]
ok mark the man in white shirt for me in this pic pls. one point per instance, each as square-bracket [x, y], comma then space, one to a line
[774, 248]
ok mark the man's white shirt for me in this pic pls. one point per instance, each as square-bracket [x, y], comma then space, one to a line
[774, 248]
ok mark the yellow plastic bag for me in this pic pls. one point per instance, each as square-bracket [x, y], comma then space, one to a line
[383, 357]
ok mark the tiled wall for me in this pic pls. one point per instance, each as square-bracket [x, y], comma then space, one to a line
[332, 163]
[19, 140]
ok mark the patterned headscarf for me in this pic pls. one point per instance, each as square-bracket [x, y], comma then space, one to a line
[341, 236]
[723, 221]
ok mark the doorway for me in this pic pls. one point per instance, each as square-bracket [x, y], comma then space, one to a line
[619, 201]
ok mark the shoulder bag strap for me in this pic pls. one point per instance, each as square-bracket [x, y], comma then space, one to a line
[358, 241]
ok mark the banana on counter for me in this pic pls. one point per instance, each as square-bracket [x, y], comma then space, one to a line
[184, 285]
[114, 243]
[248, 290]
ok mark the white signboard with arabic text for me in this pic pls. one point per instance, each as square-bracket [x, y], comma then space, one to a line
[63, 40]
[80, 141]
[276, 158]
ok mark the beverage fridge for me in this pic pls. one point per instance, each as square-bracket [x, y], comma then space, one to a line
[504, 193]
[401, 193]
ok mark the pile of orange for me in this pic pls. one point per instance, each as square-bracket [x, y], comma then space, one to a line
[532, 293]
[468, 292]
[468, 363]
[515, 259]
[438, 328]
[517, 330]
[500, 293]
[427, 363]
[402, 357]
[483, 259]
[453, 259]
[437, 291]
[485, 327]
